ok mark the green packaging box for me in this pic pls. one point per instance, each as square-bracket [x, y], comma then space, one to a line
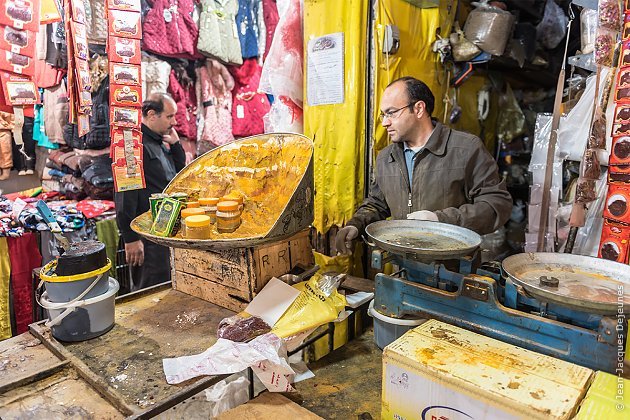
[167, 217]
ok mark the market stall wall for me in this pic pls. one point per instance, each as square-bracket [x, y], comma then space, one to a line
[339, 130]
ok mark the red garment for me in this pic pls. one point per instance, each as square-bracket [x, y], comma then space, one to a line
[271, 18]
[25, 256]
[249, 106]
[93, 208]
[175, 38]
[182, 89]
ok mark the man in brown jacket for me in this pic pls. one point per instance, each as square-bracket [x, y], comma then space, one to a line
[429, 172]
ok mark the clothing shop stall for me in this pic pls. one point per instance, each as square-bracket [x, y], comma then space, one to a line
[246, 306]
[67, 71]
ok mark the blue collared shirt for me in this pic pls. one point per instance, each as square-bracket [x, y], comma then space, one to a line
[410, 156]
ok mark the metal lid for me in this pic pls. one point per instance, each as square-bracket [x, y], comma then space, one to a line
[583, 283]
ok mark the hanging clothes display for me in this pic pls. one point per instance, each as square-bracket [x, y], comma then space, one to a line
[155, 75]
[24, 255]
[218, 33]
[247, 25]
[6, 152]
[271, 18]
[107, 233]
[249, 106]
[169, 29]
[182, 88]
[55, 112]
[215, 86]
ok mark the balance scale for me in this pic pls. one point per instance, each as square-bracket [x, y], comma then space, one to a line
[566, 306]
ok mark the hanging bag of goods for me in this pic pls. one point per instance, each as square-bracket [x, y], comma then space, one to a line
[79, 81]
[489, 28]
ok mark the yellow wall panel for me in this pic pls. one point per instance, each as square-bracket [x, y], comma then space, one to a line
[339, 130]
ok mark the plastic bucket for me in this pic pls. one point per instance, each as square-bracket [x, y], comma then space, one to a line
[388, 329]
[66, 288]
[81, 319]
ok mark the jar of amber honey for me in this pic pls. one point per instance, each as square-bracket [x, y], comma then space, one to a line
[228, 216]
[209, 205]
[197, 227]
[186, 213]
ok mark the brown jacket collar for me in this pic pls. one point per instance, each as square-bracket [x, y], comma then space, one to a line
[436, 143]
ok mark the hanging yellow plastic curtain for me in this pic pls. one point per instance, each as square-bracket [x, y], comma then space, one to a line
[338, 130]
[418, 28]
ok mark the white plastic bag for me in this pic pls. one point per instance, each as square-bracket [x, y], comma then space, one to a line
[227, 394]
[575, 127]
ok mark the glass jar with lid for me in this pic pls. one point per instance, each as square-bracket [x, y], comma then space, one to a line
[192, 204]
[228, 216]
[197, 227]
[234, 197]
[209, 205]
[186, 213]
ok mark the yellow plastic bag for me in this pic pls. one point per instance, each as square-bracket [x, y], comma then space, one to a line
[318, 303]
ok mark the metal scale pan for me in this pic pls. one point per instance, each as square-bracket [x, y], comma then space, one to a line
[424, 239]
[584, 283]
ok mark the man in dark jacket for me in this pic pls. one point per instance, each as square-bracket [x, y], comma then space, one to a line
[150, 262]
[430, 172]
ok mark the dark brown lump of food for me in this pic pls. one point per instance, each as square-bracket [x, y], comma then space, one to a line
[585, 192]
[239, 329]
[618, 208]
[19, 13]
[609, 252]
[19, 60]
[16, 38]
[592, 169]
[622, 149]
[623, 114]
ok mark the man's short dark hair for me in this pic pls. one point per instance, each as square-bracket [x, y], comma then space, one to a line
[155, 102]
[417, 90]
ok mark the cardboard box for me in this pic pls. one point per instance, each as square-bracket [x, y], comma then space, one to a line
[605, 399]
[439, 371]
[613, 244]
[618, 203]
[231, 278]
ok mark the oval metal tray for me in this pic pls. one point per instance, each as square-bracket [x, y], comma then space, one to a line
[423, 239]
[585, 283]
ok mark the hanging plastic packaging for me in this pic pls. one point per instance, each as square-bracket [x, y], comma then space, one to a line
[461, 48]
[318, 303]
[489, 28]
[511, 120]
[553, 26]
[588, 30]
[590, 167]
[586, 191]
[282, 73]
[609, 14]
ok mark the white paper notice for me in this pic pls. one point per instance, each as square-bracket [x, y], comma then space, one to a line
[272, 301]
[325, 70]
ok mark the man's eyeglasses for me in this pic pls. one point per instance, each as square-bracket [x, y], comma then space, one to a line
[394, 113]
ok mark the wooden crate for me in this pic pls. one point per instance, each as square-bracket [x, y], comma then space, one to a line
[231, 278]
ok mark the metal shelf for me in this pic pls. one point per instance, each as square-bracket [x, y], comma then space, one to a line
[583, 61]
